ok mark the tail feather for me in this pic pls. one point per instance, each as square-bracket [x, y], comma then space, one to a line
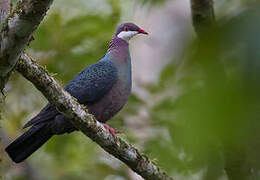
[29, 142]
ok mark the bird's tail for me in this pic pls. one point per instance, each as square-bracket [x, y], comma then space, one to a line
[29, 142]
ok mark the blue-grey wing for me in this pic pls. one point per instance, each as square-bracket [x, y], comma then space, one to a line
[89, 86]
[93, 83]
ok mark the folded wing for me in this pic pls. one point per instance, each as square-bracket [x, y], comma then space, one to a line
[88, 87]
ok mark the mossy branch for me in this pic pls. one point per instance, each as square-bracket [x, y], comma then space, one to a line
[86, 122]
[16, 31]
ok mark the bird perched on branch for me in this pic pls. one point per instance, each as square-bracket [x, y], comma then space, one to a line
[104, 87]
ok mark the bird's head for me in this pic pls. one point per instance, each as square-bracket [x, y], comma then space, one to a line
[126, 31]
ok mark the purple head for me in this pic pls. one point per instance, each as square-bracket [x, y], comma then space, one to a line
[128, 30]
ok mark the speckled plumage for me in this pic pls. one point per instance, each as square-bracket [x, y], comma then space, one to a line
[103, 87]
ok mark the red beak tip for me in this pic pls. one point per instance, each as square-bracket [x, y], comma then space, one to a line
[141, 31]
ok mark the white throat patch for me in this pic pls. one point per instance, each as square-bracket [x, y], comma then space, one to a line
[127, 35]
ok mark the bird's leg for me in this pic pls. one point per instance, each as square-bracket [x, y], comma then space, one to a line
[111, 130]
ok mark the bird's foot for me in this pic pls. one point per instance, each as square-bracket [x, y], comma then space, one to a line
[111, 130]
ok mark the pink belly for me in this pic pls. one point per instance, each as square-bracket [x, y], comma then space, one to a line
[112, 103]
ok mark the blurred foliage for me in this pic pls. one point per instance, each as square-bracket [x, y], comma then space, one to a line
[214, 123]
[153, 2]
[81, 39]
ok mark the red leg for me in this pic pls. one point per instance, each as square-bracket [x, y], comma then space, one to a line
[111, 130]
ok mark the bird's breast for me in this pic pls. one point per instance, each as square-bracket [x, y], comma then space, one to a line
[113, 101]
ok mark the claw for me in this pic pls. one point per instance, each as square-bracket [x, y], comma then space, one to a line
[111, 130]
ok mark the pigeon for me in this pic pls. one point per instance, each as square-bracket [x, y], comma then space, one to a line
[104, 87]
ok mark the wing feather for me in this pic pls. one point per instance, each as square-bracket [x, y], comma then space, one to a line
[89, 86]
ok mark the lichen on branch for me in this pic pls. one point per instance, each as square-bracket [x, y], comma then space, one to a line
[16, 31]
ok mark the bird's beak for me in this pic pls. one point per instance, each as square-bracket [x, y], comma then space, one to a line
[141, 31]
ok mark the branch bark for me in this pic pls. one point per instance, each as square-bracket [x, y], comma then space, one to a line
[86, 122]
[202, 15]
[5, 7]
[16, 32]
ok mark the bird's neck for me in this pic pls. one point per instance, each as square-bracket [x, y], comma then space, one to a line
[117, 43]
[119, 51]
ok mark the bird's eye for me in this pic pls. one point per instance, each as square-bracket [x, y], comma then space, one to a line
[126, 28]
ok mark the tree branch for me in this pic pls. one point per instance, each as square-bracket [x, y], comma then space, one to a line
[86, 122]
[202, 14]
[5, 7]
[16, 32]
